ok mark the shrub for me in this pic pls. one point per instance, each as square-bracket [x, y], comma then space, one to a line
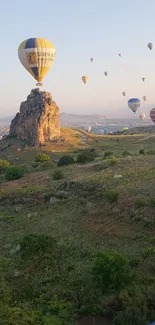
[141, 202]
[46, 165]
[142, 151]
[35, 164]
[13, 172]
[111, 271]
[58, 174]
[131, 316]
[111, 195]
[150, 152]
[113, 160]
[3, 165]
[86, 156]
[41, 157]
[126, 153]
[65, 160]
[24, 167]
[92, 150]
[108, 154]
[34, 245]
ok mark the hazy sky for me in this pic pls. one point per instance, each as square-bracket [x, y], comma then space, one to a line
[81, 29]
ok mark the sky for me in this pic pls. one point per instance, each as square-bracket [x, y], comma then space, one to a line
[79, 30]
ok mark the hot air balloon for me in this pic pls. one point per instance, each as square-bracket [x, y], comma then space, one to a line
[106, 73]
[123, 93]
[144, 98]
[85, 79]
[143, 79]
[150, 46]
[120, 55]
[142, 116]
[152, 114]
[37, 55]
[133, 104]
[92, 59]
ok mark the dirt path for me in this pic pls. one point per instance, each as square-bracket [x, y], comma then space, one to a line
[149, 136]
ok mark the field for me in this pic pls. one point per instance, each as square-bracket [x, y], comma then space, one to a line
[52, 230]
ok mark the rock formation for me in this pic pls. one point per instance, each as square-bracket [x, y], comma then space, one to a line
[38, 120]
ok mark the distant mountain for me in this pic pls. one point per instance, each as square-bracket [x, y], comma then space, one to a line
[6, 120]
[73, 120]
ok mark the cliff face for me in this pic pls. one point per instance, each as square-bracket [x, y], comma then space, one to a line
[38, 120]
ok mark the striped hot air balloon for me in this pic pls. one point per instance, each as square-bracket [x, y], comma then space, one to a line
[152, 115]
[133, 104]
[37, 56]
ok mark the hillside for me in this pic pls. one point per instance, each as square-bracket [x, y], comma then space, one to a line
[55, 220]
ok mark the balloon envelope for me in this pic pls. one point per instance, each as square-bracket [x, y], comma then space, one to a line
[120, 55]
[133, 104]
[152, 114]
[144, 98]
[150, 46]
[106, 73]
[143, 79]
[142, 116]
[37, 55]
[92, 59]
[124, 93]
[85, 79]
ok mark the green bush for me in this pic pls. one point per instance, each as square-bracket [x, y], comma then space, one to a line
[111, 271]
[66, 160]
[85, 156]
[141, 202]
[107, 154]
[131, 316]
[41, 157]
[58, 174]
[126, 153]
[111, 195]
[150, 152]
[34, 245]
[24, 167]
[141, 151]
[35, 164]
[3, 165]
[113, 160]
[46, 165]
[14, 172]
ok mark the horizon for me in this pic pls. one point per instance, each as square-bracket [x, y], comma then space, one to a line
[79, 32]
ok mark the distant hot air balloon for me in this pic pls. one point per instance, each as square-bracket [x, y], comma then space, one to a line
[144, 98]
[85, 79]
[92, 59]
[143, 79]
[133, 104]
[120, 55]
[142, 116]
[152, 115]
[150, 46]
[37, 55]
[123, 93]
[106, 73]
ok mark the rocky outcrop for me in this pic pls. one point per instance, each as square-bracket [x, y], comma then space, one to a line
[38, 120]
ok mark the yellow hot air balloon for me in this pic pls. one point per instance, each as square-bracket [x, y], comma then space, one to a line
[37, 55]
[85, 79]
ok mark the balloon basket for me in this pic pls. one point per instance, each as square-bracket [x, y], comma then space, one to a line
[39, 84]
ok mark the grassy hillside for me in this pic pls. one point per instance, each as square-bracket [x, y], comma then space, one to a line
[55, 221]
